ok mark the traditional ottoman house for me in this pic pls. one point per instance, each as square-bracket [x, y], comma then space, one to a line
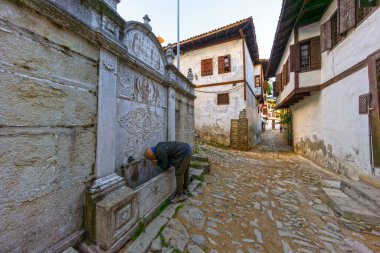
[326, 60]
[228, 76]
[83, 93]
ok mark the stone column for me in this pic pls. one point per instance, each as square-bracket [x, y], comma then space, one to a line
[171, 114]
[106, 130]
[111, 206]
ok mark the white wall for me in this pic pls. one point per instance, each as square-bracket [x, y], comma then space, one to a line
[287, 89]
[309, 31]
[310, 78]
[212, 121]
[328, 128]
[361, 42]
[254, 120]
[249, 68]
[192, 59]
[286, 53]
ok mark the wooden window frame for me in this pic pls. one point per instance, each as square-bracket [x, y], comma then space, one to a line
[336, 37]
[305, 42]
[287, 70]
[359, 20]
[257, 83]
[207, 71]
[222, 64]
[222, 101]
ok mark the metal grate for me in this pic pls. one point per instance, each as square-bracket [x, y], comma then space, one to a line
[363, 104]
[378, 67]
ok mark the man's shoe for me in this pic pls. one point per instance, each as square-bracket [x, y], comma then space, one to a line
[178, 198]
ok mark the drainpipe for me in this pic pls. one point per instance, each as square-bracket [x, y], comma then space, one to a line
[370, 134]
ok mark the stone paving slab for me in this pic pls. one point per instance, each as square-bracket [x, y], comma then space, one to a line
[200, 157]
[371, 180]
[349, 208]
[362, 192]
[196, 173]
[262, 202]
[143, 242]
[331, 184]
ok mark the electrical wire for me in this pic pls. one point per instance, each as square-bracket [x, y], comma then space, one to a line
[225, 91]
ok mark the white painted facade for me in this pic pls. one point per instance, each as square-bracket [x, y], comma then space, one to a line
[212, 121]
[327, 127]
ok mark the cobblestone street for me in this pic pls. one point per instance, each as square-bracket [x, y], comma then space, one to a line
[262, 201]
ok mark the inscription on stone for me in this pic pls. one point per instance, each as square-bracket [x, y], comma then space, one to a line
[142, 47]
[139, 88]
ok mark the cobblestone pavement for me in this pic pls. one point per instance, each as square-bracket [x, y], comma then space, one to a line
[262, 202]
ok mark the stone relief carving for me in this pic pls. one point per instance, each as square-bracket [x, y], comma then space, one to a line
[139, 88]
[143, 48]
[108, 63]
[141, 123]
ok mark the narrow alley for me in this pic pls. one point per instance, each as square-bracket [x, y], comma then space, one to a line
[261, 201]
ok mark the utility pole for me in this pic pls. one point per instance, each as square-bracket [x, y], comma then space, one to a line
[178, 47]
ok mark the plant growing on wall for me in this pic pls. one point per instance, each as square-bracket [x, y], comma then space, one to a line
[285, 117]
[268, 88]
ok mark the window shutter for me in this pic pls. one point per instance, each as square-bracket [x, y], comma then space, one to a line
[287, 71]
[223, 99]
[315, 54]
[221, 64]
[326, 36]
[283, 81]
[278, 83]
[295, 58]
[347, 13]
[229, 61]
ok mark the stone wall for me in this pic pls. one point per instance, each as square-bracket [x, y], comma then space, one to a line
[81, 99]
[239, 132]
[48, 98]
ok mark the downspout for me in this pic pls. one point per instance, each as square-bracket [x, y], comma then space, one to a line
[370, 134]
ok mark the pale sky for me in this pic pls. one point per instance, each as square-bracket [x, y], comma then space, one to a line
[199, 16]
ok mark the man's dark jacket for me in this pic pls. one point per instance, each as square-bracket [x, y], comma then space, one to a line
[171, 154]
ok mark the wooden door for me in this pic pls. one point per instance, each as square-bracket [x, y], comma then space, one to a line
[374, 114]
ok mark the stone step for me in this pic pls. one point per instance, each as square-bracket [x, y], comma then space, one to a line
[349, 208]
[205, 166]
[193, 185]
[363, 193]
[70, 250]
[371, 180]
[331, 184]
[199, 157]
[196, 173]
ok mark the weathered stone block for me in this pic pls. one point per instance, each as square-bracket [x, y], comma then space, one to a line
[116, 213]
[31, 53]
[42, 162]
[30, 102]
[154, 192]
[24, 224]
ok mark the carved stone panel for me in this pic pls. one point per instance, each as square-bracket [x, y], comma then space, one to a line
[116, 213]
[154, 192]
[141, 123]
[143, 48]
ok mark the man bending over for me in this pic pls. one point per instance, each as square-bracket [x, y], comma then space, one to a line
[177, 155]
